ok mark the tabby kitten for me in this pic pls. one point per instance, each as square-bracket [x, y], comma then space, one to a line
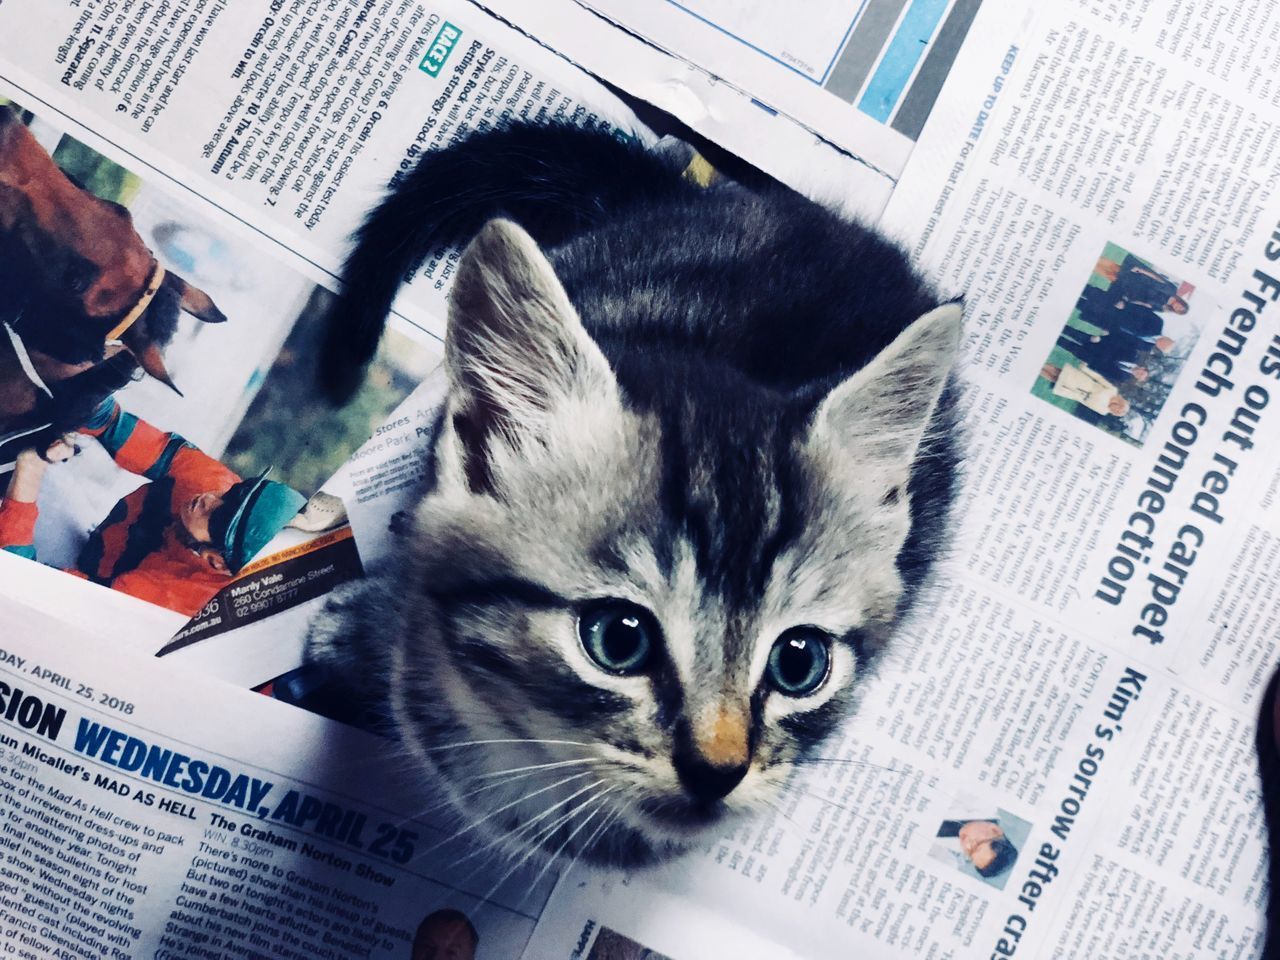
[694, 464]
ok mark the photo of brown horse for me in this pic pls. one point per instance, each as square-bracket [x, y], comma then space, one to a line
[77, 286]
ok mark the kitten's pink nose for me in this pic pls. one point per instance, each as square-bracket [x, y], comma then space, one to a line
[711, 757]
[723, 740]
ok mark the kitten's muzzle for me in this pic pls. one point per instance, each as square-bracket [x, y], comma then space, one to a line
[683, 815]
[712, 753]
[705, 782]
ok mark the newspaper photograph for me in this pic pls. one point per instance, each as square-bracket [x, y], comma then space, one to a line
[163, 469]
[252, 631]
[1132, 325]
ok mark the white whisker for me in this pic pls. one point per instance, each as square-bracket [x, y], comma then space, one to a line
[502, 809]
[506, 839]
[480, 743]
[539, 766]
[535, 844]
[599, 800]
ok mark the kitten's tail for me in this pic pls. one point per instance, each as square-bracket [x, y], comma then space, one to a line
[555, 180]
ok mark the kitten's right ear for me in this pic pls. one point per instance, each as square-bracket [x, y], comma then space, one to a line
[516, 352]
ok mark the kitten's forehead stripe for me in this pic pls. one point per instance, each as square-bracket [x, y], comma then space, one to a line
[668, 694]
[673, 494]
[789, 485]
[606, 553]
[733, 493]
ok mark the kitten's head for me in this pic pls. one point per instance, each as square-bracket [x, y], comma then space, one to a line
[640, 595]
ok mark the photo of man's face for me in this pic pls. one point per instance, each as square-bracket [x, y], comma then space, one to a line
[977, 840]
[445, 935]
[194, 515]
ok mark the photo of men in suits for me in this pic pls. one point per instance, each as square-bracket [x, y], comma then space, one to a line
[1125, 341]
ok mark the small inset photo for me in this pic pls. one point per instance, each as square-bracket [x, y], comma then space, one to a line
[1124, 344]
[445, 935]
[611, 945]
[984, 844]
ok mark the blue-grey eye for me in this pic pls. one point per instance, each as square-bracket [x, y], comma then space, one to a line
[619, 636]
[799, 661]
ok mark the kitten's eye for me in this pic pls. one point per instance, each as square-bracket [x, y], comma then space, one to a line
[799, 661]
[620, 637]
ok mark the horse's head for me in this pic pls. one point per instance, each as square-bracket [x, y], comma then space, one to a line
[72, 267]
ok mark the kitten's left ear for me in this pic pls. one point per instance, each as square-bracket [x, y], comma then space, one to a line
[516, 352]
[871, 425]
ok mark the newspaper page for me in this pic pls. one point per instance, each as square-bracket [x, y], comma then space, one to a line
[1098, 180]
[830, 171]
[862, 74]
[292, 116]
[135, 827]
[245, 147]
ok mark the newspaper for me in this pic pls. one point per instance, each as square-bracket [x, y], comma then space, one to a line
[241, 397]
[245, 148]
[855, 174]
[1084, 680]
[291, 117]
[862, 75]
[1144, 538]
[262, 636]
[133, 829]
[1089, 677]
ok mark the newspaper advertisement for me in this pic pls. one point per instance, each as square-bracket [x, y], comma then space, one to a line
[253, 630]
